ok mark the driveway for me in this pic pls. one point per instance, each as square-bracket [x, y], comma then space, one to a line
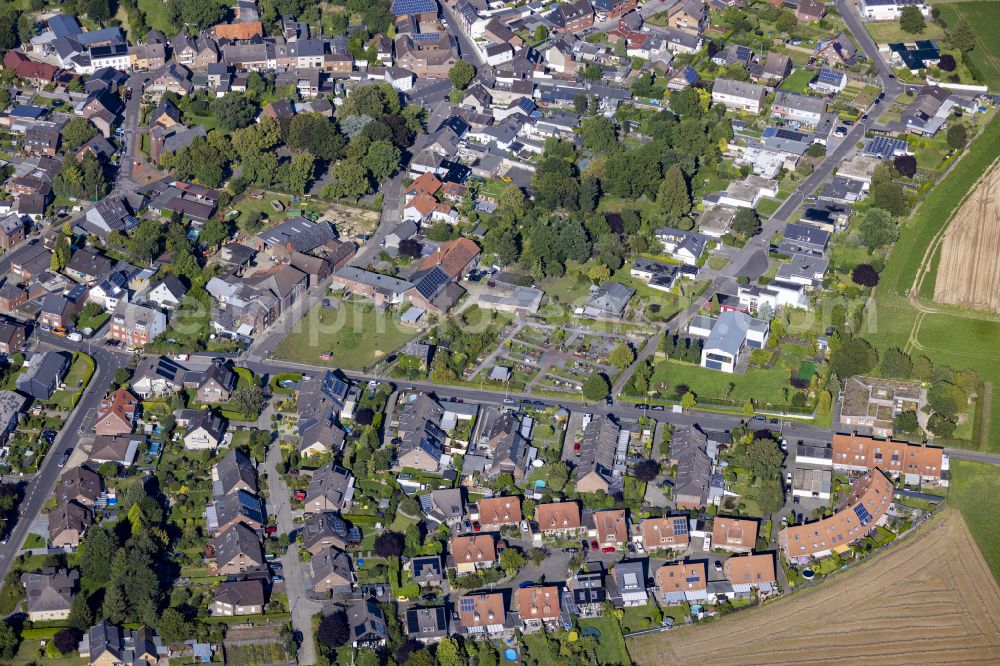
[295, 572]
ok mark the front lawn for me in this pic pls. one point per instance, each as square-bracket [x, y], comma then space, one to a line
[637, 618]
[355, 335]
[798, 81]
[762, 385]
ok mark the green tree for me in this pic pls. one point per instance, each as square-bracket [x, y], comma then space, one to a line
[461, 74]
[598, 134]
[81, 618]
[9, 640]
[596, 387]
[771, 496]
[299, 172]
[4, 99]
[511, 202]
[115, 607]
[906, 422]
[77, 132]
[673, 197]
[963, 37]
[249, 398]
[958, 136]
[350, 179]
[215, 232]
[854, 357]
[746, 223]
[512, 561]
[941, 425]
[60, 254]
[689, 400]
[889, 196]
[448, 652]
[234, 111]
[622, 356]
[878, 227]
[174, 627]
[946, 399]
[786, 21]
[382, 160]
[686, 103]
[911, 20]
[896, 364]
[375, 100]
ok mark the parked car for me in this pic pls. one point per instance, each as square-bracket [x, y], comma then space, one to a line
[608, 549]
[593, 544]
[476, 526]
[718, 565]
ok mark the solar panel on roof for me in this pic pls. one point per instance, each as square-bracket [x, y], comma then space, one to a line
[680, 526]
[467, 604]
[862, 513]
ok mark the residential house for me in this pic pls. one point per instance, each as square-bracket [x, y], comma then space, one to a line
[688, 15]
[206, 430]
[751, 572]
[495, 512]
[366, 623]
[684, 246]
[330, 572]
[240, 507]
[427, 625]
[444, 506]
[216, 384]
[235, 472]
[483, 615]
[118, 449]
[471, 553]
[12, 336]
[629, 584]
[507, 447]
[238, 597]
[804, 239]
[60, 309]
[43, 373]
[668, 532]
[839, 50]
[889, 10]
[427, 570]
[117, 413]
[538, 606]
[870, 402]
[797, 109]
[107, 645]
[829, 81]
[12, 297]
[610, 528]
[595, 469]
[12, 231]
[168, 293]
[864, 510]
[330, 489]
[422, 438]
[426, 57]
[157, 376]
[87, 266]
[48, 594]
[689, 454]
[681, 582]
[572, 17]
[237, 551]
[11, 406]
[738, 95]
[608, 301]
[586, 595]
[136, 325]
[326, 530]
[916, 463]
[731, 333]
[67, 525]
[558, 518]
[777, 67]
[734, 534]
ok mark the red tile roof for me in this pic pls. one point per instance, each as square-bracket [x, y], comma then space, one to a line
[452, 256]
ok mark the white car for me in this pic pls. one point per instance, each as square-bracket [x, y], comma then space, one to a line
[788, 477]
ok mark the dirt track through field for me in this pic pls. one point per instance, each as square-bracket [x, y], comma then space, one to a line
[929, 600]
[968, 273]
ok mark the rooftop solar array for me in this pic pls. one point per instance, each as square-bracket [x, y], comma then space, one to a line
[680, 526]
[862, 513]
[407, 7]
[467, 604]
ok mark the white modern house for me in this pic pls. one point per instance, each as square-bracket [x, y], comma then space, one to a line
[889, 10]
[738, 95]
[728, 336]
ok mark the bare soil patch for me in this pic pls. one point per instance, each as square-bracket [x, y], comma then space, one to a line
[931, 599]
[968, 273]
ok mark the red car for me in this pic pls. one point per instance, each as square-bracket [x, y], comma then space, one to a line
[593, 544]
[476, 526]
[271, 529]
[576, 446]
[300, 494]
[608, 549]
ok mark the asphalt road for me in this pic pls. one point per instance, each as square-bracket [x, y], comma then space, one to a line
[467, 50]
[40, 486]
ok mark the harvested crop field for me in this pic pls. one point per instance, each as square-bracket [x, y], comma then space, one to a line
[930, 599]
[968, 273]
